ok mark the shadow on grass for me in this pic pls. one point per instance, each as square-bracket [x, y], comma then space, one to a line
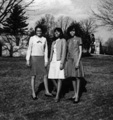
[66, 86]
[40, 88]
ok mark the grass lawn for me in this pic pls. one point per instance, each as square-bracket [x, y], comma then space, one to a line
[96, 103]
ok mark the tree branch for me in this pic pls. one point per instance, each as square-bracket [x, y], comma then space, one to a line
[105, 13]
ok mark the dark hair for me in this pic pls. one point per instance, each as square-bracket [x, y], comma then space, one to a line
[41, 27]
[59, 30]
[70, 28]
[92, 35]
[77, 28]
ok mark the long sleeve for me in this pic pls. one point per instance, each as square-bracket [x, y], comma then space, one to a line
[46, 52]
[28, 54]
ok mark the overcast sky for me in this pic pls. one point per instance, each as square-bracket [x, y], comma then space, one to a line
[77, 9]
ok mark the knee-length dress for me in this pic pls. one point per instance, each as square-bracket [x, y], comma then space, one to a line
[54, 69]
[72, 57]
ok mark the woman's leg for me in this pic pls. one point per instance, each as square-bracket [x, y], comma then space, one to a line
[77, 90]
[33, 86]
[46, 86]
[74, 87]
[55, 85]
[58, 90]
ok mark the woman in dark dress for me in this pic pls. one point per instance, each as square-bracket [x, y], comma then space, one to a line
[74, 68]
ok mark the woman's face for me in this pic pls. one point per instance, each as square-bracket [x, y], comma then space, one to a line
[72, 33]
[39, 32]
[57, 34]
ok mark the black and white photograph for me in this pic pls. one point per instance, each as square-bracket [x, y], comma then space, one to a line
[56, 59]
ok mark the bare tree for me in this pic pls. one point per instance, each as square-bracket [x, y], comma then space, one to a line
[64, 22]
[89, 25]
[7, 5]
[9, 44]
[105, 13]
[48, 21]
[109, 46]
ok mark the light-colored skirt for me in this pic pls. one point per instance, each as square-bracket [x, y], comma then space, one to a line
[54, 71]
[37, 66]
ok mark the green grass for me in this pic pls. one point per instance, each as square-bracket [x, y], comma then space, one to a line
[95, 104]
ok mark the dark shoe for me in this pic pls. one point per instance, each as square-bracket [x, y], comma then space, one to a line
[54, 94]
[56, 100]
[48, 95]
[54, 91]
[71, 99]
[34, 98]
[76, 100]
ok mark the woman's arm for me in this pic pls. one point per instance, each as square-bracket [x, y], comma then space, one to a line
[63, 53]
[80, 55]
[51, 52]
[46, 53]
[28, 53]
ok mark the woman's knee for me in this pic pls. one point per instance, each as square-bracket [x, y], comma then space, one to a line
[33, 77]
[45, 76]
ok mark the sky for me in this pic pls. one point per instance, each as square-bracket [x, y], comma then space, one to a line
[76, 9]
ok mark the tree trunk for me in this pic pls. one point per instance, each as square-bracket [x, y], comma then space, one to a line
[11, 52]
[0, 49]
[17, 41]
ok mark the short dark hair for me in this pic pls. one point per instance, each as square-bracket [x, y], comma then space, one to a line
[41, 27]
[59, 30]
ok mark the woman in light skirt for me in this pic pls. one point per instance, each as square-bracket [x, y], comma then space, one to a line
[37, 58]
[57, 61]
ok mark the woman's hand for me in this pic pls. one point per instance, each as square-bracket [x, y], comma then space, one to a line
[77, 65]
[28, 63]
[46, 63]
[61, 66]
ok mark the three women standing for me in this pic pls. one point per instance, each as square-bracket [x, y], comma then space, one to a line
[37, 56]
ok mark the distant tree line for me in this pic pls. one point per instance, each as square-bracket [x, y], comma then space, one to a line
[107, 48]
[16, 26]
[84, 28]
[13, 20]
